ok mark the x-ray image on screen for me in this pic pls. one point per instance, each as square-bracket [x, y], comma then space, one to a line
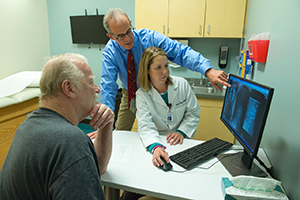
[248, 125]
[245, 109]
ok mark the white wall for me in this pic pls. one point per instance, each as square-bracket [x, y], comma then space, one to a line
[24, 36]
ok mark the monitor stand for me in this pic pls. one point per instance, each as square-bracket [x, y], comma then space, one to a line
[233, 164]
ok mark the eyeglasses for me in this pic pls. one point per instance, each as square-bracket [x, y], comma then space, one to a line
[123, 35]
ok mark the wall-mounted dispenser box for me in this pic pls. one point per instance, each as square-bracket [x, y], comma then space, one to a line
[258, 46]
[223, 56]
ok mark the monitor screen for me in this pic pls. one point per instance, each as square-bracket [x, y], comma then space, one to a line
[244, 113]
[88, 29]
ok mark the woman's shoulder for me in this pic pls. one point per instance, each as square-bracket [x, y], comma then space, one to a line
[141, 92]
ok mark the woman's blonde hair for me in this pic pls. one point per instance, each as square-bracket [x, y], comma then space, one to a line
[146, 60]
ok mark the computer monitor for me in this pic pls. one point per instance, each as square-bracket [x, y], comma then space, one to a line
[88, 29]
[245, 109]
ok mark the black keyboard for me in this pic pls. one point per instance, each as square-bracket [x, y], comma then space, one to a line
[191, 157]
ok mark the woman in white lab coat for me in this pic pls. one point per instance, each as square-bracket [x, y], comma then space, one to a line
[166, 105]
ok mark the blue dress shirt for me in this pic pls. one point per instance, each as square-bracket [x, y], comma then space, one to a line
[114, 60]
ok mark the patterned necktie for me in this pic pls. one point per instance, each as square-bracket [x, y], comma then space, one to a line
[131, 82]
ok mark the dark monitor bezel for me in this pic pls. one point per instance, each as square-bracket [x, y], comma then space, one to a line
[249, 154]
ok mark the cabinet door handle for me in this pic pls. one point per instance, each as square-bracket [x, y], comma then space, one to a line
[199, 29]
[208, 29]
[163, 29]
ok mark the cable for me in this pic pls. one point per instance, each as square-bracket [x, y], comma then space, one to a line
[263, 164]
[260, 162]
[206, 168]
[178, 171]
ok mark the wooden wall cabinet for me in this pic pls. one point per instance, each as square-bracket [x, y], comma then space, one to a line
[186, 18]
[210, 125]
[135, 126]
[226, 18]
[152, 14]
[10, 118]
[193, 18]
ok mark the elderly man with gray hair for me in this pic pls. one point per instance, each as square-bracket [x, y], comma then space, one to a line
[50, 157]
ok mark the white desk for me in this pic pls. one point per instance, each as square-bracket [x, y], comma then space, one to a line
[135, 172]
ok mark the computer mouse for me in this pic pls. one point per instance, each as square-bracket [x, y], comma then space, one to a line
[166, 166]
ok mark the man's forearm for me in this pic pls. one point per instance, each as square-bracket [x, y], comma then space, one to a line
[103, 146]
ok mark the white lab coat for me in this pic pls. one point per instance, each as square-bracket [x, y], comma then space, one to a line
[152, 111]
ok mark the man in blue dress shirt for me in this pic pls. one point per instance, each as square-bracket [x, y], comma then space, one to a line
[123, 38]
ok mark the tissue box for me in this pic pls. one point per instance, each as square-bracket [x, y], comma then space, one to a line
[249, 188]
